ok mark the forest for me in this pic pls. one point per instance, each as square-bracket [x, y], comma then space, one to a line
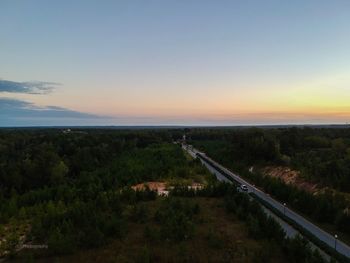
[322, 155]
[70, 194]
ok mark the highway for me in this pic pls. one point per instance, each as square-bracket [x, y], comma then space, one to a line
[327, 238]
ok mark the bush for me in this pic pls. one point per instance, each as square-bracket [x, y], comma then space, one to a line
[59, 244]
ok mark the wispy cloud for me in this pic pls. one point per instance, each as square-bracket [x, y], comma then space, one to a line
[14, 112]
[19, 108]
[29, 87]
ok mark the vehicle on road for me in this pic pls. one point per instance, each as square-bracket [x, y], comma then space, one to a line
[242, 188]
[300, 221]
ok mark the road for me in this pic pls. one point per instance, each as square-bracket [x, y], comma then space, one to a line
[327, 238]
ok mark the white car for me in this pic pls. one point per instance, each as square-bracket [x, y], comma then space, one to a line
[244, 188]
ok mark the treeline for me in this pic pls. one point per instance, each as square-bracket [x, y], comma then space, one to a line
[322, 155]
[328, 207]
[175, 220]
[260, 226]
[32, 159]
[72, 188]
[86, 223]
[298, 148]
[38, 166]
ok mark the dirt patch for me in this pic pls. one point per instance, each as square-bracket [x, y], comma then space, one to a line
[291, 177]
[162, 188]
[154, 186]
[12, 237]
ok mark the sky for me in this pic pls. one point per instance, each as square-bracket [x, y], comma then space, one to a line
[174, 62]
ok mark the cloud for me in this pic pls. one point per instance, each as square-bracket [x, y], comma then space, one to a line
[20, 113]
[20, 108]
[14, 112]
[29, 87]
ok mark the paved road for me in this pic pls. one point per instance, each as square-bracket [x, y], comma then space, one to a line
[329, 239]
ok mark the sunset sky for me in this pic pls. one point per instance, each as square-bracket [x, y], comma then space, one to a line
[174, 62]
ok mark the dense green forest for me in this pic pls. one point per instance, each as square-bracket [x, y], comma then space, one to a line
[70, 192]
[321, 155]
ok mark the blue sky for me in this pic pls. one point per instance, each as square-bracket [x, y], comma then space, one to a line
[174, 62]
